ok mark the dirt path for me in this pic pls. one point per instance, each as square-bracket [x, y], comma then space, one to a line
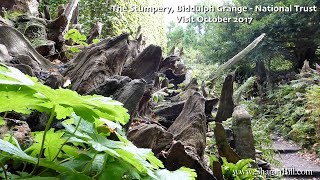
[294, 166]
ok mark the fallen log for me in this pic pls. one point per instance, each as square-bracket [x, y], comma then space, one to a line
[234, 60]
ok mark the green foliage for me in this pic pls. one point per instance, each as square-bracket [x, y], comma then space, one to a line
[241, 170]
[287, 39]
[83, 148]
[262, 126]
[291, 111]
[118, 22]
[76, 37]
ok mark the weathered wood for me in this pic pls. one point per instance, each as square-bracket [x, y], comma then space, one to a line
[19, 129]
[190, 125]
[217, 170]
[69, 12]
[168, 112]
[130, 95]
[46, 12]
[55, 33]
[17, 45]
[26, 6]
[4, 54]
[190, 89]
[158, 138]
[180, 155]
[306, 67]
[173, 77]
[242, 130]
[226, 104]
[94, 32]
[261, 72]
[203, 89]
[234, 60]
[224, 148]
[145, 65]
[209, 105]
[95, 64]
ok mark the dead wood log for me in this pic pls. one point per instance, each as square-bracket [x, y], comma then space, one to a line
[261, 72]
[5, 22]
[158, 138]
[145, 65]
[168, 112]
[95, 64]
[203, 89]
[234, 60]
[94, 32]
[180, 155]
[55, 32]
[210, 104]
[226, 104]
[139, 32]
[130, 95]
[306, 67]
[70, 12]
[224, 148]
[190, 125]
[19, 129]
[46, 12]
[173, 77]
[242, 130]
[190, 89]
[217, 170]
[18, 46]
[317, 68]
[144, 105]
[25, 6]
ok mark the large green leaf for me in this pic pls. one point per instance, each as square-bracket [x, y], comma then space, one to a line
[23, 95]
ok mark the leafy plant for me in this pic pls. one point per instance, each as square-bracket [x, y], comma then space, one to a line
[240, 171]
[84, 148]
[76, 37]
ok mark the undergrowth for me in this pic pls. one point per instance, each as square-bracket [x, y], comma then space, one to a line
[92, 143]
